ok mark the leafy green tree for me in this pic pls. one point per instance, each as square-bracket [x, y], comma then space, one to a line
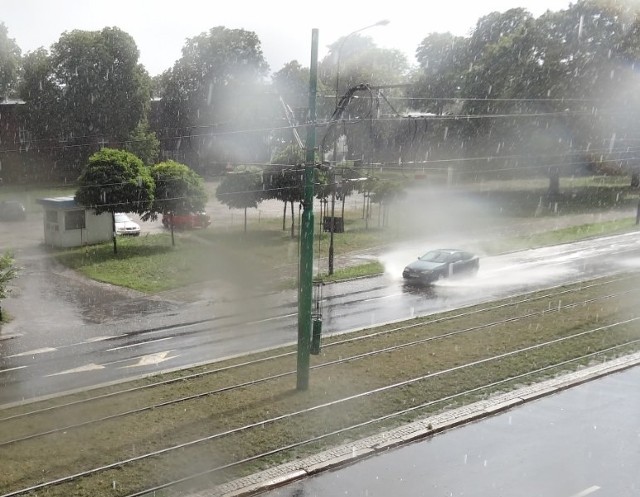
[8, 271]
[443, 60]
[144, 143]
[10, 64]
[115, 181]
[356, 60]
[42, 96]
[241, 189]
[89, 91]
[284, 180]
[106, 89]
[178, 190]
[216, 85]
[292, 83]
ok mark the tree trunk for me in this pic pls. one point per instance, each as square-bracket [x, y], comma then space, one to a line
[293, 222]
[113, 232]
[245, 219]
[554, 181]
[284, 217]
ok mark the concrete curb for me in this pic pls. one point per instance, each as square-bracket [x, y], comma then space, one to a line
[355, 451]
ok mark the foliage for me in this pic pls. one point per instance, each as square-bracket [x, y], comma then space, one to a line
[9, 64]
[143, 143]
[178, 189]
[241, 189]
[442, 58]
[355, 59]
[515, 96]
[292, 83]
[8, 271]
[90, 90]
[42, 97]
[106, 91]
[216, 83]
[115, 181]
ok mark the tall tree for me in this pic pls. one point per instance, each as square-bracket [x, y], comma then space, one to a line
[442, 59]
[90, 88]
[42, 96]
[10, 64]
[217, 85]
[115, 181]
[106, 90]
[178, 190]
[356, 60]
[143, 143]
[291, 84]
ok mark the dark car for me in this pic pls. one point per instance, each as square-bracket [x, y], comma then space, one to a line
[187, 221]
[12, 210]
[439, 264]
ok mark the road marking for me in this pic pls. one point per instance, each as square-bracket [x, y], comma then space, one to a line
[382, 297]
[34, 352]
[275, 318]
[12, 369]
[138, 344]
[151, 360]
[587, 491]
[99, 339]
[81, 369]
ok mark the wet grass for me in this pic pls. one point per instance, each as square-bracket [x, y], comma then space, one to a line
[266, 255]
[559, 236]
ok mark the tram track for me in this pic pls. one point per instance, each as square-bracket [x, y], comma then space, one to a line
[570, 314]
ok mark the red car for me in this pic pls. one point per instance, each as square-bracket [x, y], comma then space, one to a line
[187, 221]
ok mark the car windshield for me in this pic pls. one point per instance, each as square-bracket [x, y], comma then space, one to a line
[436, 256]
[121, 218]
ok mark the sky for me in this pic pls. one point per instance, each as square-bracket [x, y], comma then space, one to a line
[284, 27]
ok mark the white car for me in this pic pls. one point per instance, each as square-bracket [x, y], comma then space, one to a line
[125, 226]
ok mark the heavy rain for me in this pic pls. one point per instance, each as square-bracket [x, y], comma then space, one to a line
[239, 269]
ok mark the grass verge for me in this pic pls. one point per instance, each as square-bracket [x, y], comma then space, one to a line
[267, 256]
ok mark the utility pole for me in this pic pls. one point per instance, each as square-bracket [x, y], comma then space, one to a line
[305, 285]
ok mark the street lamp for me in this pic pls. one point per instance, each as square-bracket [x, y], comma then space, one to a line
[383, 22]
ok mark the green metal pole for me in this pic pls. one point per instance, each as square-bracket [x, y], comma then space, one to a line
[305, 290]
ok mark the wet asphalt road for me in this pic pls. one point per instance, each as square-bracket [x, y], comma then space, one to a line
[82, 334]
[577, 443]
